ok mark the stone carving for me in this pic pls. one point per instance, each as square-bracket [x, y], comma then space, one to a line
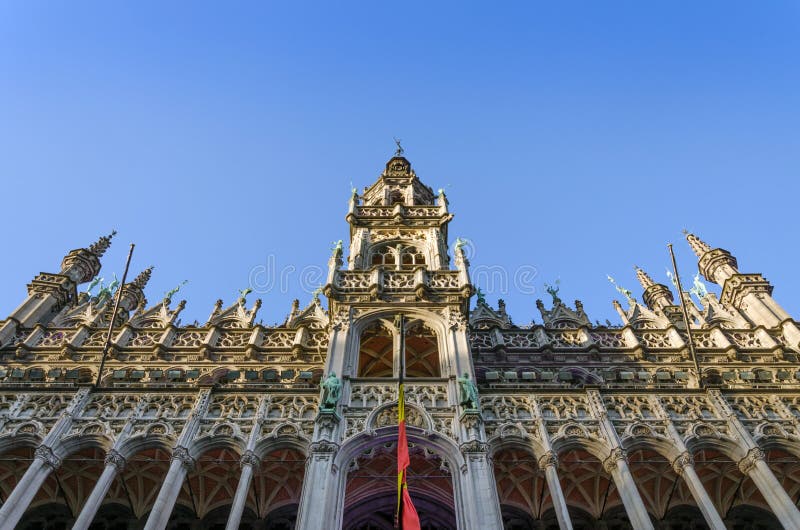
[611, 463]
[249, 458]
[182, 454]
[115, 459]
[548, 459]
[753, 456]
[684, 459]
[46, 455]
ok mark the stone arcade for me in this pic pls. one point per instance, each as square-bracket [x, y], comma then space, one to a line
[221, 425]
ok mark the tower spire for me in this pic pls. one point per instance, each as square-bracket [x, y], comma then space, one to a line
[99, 247]
[643, 277]
[699, 246]
[141, 280]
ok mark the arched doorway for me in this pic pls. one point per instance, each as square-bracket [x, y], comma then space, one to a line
[371, 489]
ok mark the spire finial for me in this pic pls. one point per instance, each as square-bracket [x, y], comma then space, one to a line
[643, 277]
[699, 246]
[399, 151]
[141, 280]
[99, 247]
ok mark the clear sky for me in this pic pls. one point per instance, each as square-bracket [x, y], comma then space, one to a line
[572, 138]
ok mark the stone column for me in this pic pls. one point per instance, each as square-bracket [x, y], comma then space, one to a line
[115, 463]
[180, 465]
[317, 503]
[684, 467]
[754, 466]
[549, 462]
[479, 490]
[617, 466]
[17, 503]
[248, 462]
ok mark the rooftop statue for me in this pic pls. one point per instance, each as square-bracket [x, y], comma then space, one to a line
[243, 295]
[481, 296]
[169, 294]
[552, 290]
[625, 292]
[399, 151]
[699, 288]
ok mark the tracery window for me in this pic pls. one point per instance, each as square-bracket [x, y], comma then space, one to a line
[380, 343]
[376, 352]
[398, 256]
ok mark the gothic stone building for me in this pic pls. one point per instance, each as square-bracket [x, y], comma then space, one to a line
[219, 425]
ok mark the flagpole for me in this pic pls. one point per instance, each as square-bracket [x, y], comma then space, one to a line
[692, 351]
[401, 416]
[113, 318]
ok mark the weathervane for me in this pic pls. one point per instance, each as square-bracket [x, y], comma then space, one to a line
[400, 150]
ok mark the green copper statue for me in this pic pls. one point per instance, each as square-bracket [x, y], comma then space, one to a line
[331, 392]
[468, 392]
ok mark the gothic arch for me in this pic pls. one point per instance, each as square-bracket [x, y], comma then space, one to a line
[267, 445]
[566, 440]
[75, 443]
[501, 442]
[144, 442]
[433, 321]
[415, 417]
[357, 445]
[399, 255]
[200, 446]
[651, 441]
[699, 440]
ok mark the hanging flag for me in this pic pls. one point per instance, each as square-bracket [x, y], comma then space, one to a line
[406, 514]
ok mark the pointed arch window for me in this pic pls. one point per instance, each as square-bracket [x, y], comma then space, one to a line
[398, 256]
[379, 349]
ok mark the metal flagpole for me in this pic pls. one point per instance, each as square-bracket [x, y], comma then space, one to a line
[692, 351]
[401, 413]
[113, 318]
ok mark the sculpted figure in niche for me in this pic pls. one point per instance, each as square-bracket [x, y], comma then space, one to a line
[468, 392]
[331, 391]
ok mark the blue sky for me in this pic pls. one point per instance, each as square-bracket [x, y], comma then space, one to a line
[573, 138]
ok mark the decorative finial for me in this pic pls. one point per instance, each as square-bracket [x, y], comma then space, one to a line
[699, 246]
[399, 151]
[143, 277]
[643, 277]
[336, 247]
[99, 247]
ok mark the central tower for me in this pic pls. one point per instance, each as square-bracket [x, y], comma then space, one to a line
[399, 264]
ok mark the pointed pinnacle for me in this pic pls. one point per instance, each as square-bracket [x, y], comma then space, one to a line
[141, 280]
[699, 246]
[99, 247]
[643, 277]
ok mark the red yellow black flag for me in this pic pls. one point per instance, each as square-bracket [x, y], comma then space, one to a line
[406, 514]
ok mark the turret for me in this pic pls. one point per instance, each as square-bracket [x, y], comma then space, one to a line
[716, 265]
[48, 293]
[749, 293]
[657, 296]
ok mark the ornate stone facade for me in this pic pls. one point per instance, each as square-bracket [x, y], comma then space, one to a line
[224, 424]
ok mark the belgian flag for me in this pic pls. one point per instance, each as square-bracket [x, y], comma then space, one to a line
[406, 515]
